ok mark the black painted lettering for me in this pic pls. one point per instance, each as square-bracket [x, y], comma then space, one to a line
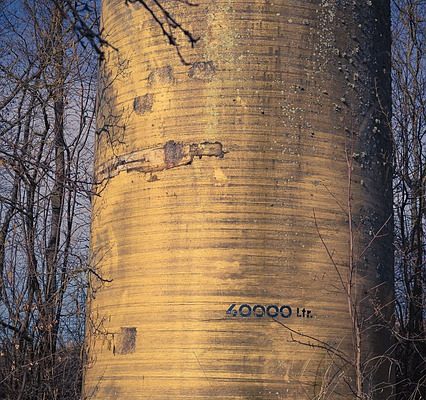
[259, 311]
[272, 311]
[245, 310]
[285, 311]
[231, 311]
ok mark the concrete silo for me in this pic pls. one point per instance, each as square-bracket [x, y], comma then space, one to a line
[243, 214]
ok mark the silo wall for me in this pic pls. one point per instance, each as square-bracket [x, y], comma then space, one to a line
[242, 221]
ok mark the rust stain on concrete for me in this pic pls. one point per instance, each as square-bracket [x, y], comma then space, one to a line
[202, 70]
[163, 75]
[126, 341]
[143, 104]
[171, 155]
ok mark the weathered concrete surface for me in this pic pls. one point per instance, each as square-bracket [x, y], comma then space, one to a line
[227, 182]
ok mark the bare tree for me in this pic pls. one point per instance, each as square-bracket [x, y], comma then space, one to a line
[409, 130]
[46, 119]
